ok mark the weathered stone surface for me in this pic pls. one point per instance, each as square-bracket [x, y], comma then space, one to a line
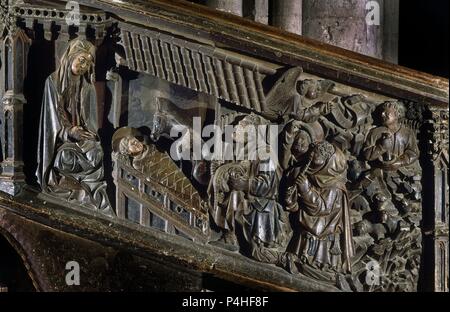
[229, 6]
[287, 15]
[343, 23]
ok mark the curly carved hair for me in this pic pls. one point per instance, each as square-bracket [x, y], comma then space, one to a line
[396, 106]
[324, 149]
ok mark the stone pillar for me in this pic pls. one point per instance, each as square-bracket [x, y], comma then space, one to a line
[256, 10]
[287, 15]
[14, 49]
[437, 227]
[344, 23]
[262, 11]
[231, 6]
[391, 30]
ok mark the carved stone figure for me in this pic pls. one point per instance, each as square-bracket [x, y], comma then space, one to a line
[289, 136]
[70, 155]
[245, 197]
[131, 142]
[303, 100]
[387, 234]
[392, 152]
[155, 164]
[313, 104]
[317, 194]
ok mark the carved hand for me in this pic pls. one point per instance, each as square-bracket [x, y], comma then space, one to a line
[328, 107]
[79, 134]
[111, 75]
[302, 183]
[386, 141]
[397, 164]
[238, 183]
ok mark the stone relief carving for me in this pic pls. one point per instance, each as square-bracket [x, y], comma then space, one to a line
[316, 194]
[350, 183]
[387, 198]
[245, 200]
[344, 193]
[70, 155]
[342, 202]
[144, 168]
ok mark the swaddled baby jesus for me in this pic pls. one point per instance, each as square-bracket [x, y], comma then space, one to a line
[131, 142]
[146, 157]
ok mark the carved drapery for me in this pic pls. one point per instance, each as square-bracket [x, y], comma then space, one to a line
[175, 202]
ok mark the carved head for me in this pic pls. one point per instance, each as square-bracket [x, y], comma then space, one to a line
[77, 61]
[390, 113]
[309, 88]
[131, 146]
[128, 141]
[322, 153]
[247, 128]
[301, 144]
[363, 227]
[313, 89]
[80, 55]
[81, 64]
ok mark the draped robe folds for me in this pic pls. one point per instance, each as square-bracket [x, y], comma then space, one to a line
[257, 210]
[404, 148]
[325, 236]
[404, 145]
[68, 169]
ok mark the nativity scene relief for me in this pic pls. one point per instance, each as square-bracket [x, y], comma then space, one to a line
[267, 162]
[320, 184]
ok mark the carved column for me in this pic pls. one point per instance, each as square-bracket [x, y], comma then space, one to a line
[256, 10]
[391, 30]
[344, 23]
[14, 47]
[262, 11]
[230, 6]
[438, 227]
[287, 15]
